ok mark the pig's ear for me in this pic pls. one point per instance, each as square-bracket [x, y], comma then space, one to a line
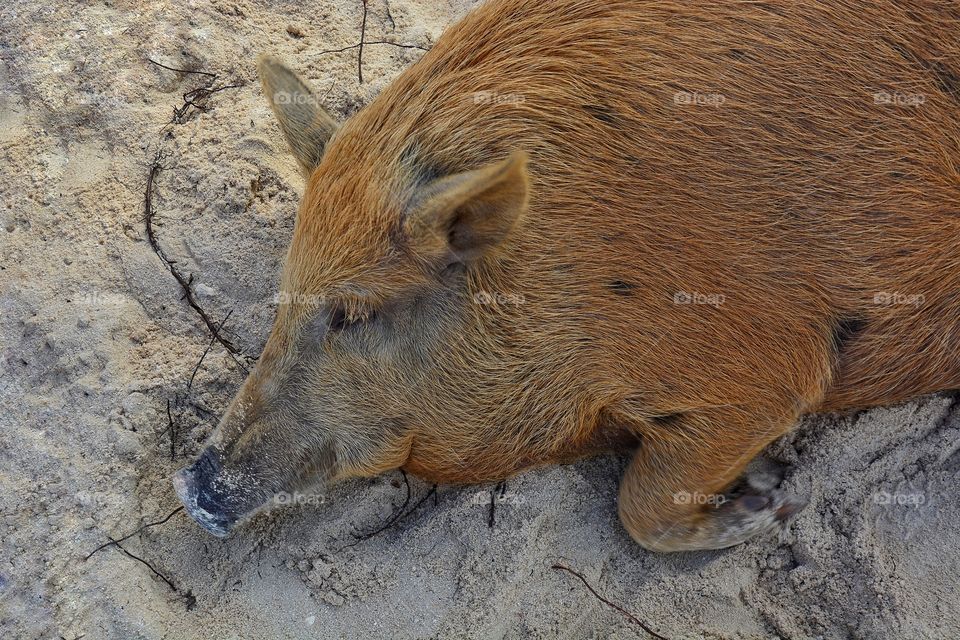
[305, 125]
[469, 213]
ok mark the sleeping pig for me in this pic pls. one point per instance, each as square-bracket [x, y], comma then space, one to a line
[667, 228]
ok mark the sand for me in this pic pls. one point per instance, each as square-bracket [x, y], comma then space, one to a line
[96, 340]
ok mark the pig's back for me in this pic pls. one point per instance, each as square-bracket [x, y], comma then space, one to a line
[823, 119]
[796, 158]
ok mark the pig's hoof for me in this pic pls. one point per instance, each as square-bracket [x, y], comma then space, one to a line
[725, 522]
[738, 519]
[732, 520]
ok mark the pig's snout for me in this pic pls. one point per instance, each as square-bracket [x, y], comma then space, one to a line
[196, 486]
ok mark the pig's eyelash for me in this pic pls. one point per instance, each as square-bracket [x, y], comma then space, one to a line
[343, 317]
[338, 319]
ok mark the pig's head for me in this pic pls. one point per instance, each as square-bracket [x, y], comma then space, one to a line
[379, 358]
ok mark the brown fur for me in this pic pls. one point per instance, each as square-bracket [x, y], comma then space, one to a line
[797, 199]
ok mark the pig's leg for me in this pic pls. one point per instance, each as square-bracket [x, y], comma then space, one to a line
[671, 496]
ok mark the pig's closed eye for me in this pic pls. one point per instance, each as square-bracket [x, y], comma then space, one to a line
[338, 320]
[341, 321]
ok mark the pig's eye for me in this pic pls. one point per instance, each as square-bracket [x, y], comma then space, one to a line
[340, 320]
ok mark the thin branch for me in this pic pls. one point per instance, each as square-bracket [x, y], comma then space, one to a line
[148, 566]
[206, 351]
[185, 282]
[396, 515]
[163, 66]
[194, 99]
[369, 42]
[394, 520]
[493, 509]
[608, 603]
[189, 599]
[363, 35]
[173, 432]
[130, 535]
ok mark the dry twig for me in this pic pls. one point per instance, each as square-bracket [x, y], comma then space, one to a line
[186, 282]
[130, 535]
[608, 603]
[364, 42]
[397, 517]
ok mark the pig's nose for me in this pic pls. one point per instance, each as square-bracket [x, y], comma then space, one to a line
[194, 487]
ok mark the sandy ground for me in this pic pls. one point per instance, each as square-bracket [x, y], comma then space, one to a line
[96, 340]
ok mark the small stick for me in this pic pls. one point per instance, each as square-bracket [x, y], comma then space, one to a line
[130, 535]
[432, 492]
[194, 99]
[369, 42]
[363, 34]
[502, 486]
[185, 283]
[163, 66]
[396, 515]
[171, 428]
[173, 432]
[190, 98]
[493, 508]
[148, 565]
[608, 603]
[190, 600]
[206, 351]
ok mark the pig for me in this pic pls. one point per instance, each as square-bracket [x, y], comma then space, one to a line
[667, 229]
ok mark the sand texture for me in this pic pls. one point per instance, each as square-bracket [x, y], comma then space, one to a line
[96, 340]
